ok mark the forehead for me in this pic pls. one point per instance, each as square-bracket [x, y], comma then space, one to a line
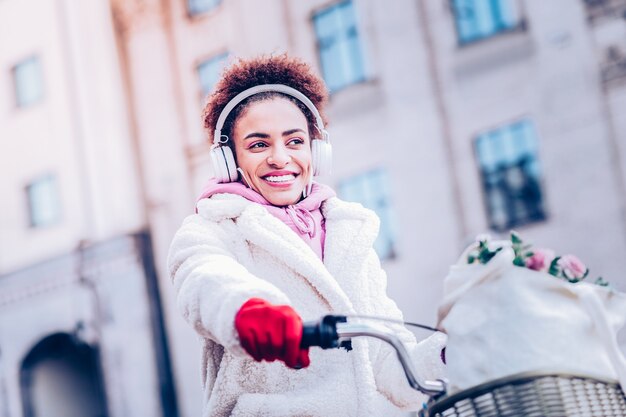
[271, 112]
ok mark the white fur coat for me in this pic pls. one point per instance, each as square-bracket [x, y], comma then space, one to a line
[233, 250]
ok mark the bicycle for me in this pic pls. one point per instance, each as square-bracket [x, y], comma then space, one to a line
[530, 394]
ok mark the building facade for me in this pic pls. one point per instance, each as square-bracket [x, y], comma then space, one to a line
[81, 327]
[449, 118]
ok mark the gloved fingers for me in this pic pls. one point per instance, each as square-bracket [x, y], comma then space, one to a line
[249, 342]
[271, 332]
[264, 343]
[272, 345]
[293, 336]
[303, 358]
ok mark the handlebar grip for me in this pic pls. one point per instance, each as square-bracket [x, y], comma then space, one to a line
[322, 333]
[310, 335]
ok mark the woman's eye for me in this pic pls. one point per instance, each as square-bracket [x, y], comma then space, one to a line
[257, 145]
[296, 141]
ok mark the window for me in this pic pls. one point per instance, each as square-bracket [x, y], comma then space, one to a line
[209, 71]
[43, 201]
[511, 177]
[613, 66]
[28, 82]
[371, 189]
[339, 48]
[479, 19]
[598, 10]
[195, 7]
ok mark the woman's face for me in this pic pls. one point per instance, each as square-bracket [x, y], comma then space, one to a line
[273, 149]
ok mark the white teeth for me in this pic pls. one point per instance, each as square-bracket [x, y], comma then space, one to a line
[279, 178]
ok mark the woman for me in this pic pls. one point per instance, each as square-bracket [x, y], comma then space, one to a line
[269, 247]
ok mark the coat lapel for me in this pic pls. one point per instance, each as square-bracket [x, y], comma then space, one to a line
[266, 231]
[350, 234]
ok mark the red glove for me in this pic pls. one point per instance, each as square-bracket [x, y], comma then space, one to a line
[271, 332]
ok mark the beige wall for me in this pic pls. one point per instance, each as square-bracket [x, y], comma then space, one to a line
[78, 131]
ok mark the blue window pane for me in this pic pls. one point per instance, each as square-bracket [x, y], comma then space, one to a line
[511, 175]
[525, 138]
[477, 19]
[509, 153]
[465, 18]
[28, 81]
[201, 6]
[371, 189]
[339, 46]
[486, 16]
[327, 25]
[43, 202]
[509, 13]
[209, 71]
[486, 154]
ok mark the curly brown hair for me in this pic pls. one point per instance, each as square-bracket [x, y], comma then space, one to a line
[274, 69]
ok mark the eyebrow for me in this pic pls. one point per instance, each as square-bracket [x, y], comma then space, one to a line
[266, 136]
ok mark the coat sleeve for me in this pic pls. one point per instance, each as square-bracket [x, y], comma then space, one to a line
[426, 355]
[211, 285]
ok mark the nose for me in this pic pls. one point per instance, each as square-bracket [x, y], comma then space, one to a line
[279, 156]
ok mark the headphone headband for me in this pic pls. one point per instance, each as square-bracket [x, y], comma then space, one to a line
[279, 88]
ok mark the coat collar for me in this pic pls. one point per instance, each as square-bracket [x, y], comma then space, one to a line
[350, 233]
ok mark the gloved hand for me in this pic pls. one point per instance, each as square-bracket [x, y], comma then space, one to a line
[271, 332]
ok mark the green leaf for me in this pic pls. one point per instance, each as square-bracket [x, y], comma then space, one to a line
[519, 261]
[485, 254]
[554, 268]
[601, 282]
[515, 239]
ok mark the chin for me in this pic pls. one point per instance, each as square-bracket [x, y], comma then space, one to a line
[277, 199]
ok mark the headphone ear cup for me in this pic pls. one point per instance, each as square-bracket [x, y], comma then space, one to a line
[224, 165]
[321, 155]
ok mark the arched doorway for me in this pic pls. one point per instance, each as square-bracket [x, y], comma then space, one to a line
[61, 377]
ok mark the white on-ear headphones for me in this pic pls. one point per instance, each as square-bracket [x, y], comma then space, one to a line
[222, 156]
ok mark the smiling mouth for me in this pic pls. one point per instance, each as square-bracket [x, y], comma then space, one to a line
[279, 179]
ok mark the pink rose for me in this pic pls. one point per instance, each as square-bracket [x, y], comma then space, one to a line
[541, 259]
[572, 267]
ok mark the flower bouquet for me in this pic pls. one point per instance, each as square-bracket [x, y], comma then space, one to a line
[510, 308]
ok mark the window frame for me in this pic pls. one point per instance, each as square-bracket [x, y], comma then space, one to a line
[19, 102]
[519, 26]
[57, 216]
[523, 161]
[224, 55]
[193, 13]
[601, 10]
[328, 8]
[387, 230]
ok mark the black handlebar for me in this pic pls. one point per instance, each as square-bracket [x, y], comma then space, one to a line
[323, 333]
[335, 332]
